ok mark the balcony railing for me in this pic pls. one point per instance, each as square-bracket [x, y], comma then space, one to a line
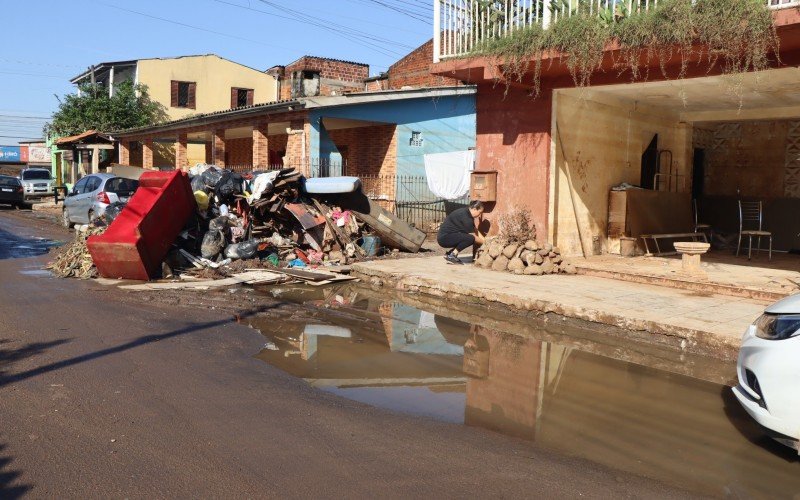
[460, 25]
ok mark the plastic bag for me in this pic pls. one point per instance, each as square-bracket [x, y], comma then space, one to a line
[228, 185]
[244, 250]
[113, 210]
[211, 177]
[213, 243]
[199, 168]
[197, 183]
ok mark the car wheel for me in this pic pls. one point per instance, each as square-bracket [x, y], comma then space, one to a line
[65, 219]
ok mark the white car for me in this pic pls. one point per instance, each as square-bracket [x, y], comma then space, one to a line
[769, 371]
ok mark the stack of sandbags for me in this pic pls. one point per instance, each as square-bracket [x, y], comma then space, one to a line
[529, 257]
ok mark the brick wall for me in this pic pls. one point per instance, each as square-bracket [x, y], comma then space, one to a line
[373, 85]
[371, 153]
[239, 151]
[332, 73]
[414, 70]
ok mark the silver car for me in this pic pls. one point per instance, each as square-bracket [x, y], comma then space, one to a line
[37, 183]
[92, 194]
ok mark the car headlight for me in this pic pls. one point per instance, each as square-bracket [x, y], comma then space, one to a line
[777, 326]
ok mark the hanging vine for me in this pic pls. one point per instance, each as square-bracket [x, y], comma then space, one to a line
[737, 35]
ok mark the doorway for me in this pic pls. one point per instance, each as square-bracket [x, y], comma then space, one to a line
[649, 164]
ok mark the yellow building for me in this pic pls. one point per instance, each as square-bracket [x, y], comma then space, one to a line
[187, 86]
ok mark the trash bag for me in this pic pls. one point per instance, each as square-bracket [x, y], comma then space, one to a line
[221, 224]
[211, 177]
[244, 250]
[213, 243]
[228, 185]
[113, 210]
[197, 183]
[199, 168]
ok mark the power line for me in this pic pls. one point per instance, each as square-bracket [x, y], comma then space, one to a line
[341, 30]
[185, 25]
[405, 12]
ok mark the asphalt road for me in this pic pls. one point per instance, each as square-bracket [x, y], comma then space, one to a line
[104, 394]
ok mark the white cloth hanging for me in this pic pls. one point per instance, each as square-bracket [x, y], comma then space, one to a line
[448, 173]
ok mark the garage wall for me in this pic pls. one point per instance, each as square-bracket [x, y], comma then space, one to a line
[601, 142]
[750, 159]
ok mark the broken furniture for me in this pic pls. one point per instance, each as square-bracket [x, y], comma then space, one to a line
[690, 252]
[136, 243]
[752, 213]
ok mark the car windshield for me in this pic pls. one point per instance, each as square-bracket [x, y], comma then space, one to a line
[36, 175]
[121, 185]
[9, 181]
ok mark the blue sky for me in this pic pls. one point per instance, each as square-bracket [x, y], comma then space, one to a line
[46, 42]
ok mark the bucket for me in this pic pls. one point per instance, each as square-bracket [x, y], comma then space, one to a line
[371, 245]
[627, 246]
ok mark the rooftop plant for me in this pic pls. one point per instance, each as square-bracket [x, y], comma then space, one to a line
[737, 35]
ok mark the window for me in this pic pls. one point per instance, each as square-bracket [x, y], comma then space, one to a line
[241, 97]
[92, 184]
[183, 94]
[80, 186]
[416, 140]
[37, 175]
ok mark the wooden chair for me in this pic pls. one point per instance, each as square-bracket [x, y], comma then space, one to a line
[752, 213]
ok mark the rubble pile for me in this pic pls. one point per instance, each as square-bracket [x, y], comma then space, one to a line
[235, 223]
[266, 216]
[73, 260]
[529, 257]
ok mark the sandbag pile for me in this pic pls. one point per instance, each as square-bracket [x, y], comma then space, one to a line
[529, 257]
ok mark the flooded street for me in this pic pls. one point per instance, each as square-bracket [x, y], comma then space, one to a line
[658, 414]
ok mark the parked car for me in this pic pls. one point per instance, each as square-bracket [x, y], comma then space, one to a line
[37, 183]
[92, 194]
[11, 191]
[769, 372]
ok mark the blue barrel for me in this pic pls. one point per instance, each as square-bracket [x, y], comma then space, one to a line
[371, 245]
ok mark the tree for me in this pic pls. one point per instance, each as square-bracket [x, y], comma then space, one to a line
[92, 108]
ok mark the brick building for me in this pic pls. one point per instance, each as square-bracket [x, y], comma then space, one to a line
[312, 76]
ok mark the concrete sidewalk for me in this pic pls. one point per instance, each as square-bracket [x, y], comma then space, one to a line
[698, 322]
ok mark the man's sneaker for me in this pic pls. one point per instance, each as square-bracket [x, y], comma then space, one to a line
[452, 259]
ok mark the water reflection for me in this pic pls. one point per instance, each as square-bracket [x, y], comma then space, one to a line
[628, 416]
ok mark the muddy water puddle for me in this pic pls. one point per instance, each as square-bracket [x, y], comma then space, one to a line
[569, 396]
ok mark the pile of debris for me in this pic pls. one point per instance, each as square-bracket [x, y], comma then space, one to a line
[529, 257]
[273, 219]
[266, 215]
[73, 260]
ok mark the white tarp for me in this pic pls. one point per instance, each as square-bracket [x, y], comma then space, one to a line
[448, 173]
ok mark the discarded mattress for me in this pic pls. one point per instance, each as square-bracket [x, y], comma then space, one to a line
[332, 185]
[135, 244]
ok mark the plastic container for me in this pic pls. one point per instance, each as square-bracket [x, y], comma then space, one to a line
[371, 245]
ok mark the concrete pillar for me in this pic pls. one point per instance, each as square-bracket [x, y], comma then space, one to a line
[124, 153]
[218, 149]
[147, 153]
[260, 146]
[296, 145]
[181, 159]
[95, 159]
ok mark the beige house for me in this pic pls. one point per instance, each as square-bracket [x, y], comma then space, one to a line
[188, 85]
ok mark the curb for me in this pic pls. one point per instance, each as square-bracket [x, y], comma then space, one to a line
[685, 339]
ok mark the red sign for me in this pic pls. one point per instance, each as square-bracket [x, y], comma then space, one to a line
[23, 154]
